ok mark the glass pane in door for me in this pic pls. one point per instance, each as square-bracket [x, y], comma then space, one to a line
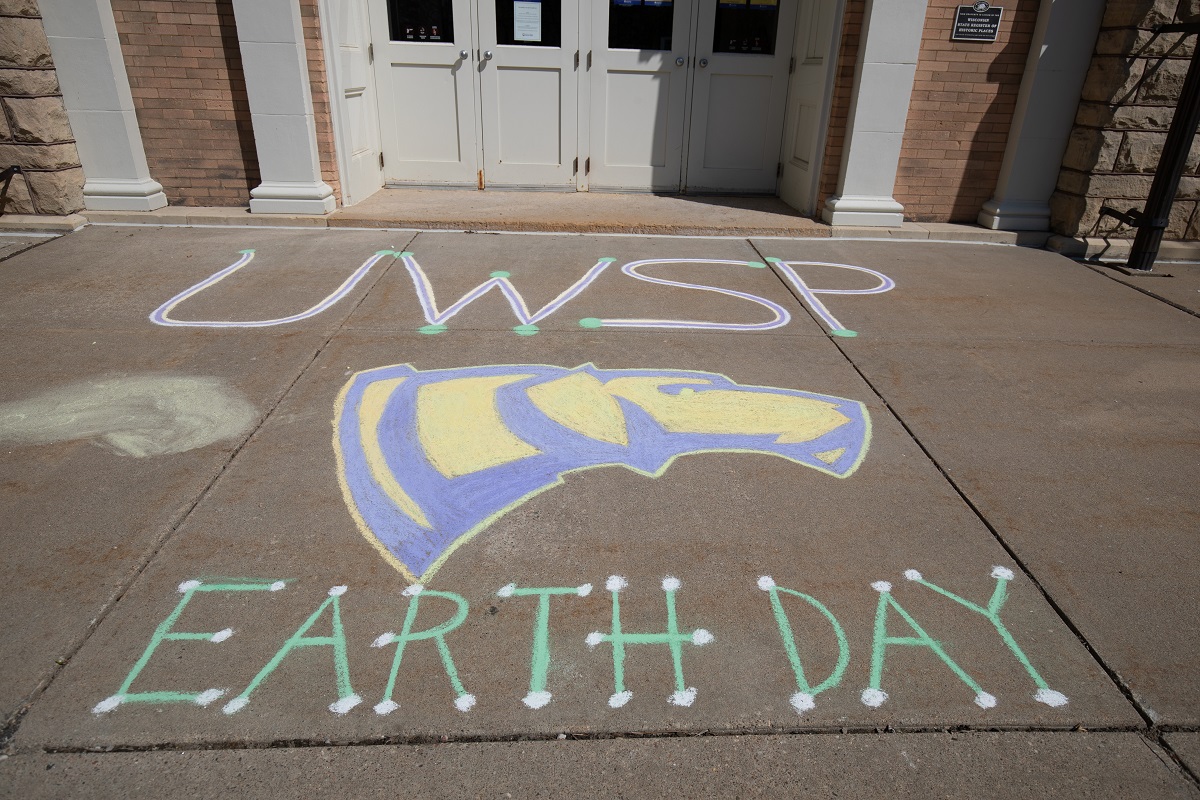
[746, 26]
[533, 23]
[421, 20]
[640, 24]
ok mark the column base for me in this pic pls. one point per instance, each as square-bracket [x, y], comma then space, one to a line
[871, 212]
[292, 198]
[1015, 216]
[123, 195]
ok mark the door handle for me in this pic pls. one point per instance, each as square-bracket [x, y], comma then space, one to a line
[464, 55]
[679, 62]
[703, 63]
[487, 55]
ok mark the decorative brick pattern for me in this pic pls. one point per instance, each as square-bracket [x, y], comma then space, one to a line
[962, 105]
[1127, 104]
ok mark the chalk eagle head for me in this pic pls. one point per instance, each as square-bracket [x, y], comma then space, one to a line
[429, 458]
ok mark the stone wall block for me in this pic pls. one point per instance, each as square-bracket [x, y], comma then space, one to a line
[5, 130]
[39, 119]
[57, 193]
[1192, 232]
[1134, 41]
[1122, 187]
[1071, 215]
[1164, 83]
[23, 43]
[28, 82]
[1142, 118]
[1140, 152]
[19, 8]
[1189, 188]
[17, 200]
[1138, 13]
[1193, 159]
[1073, 182]
[1092, 149]
[39, 157]
[1111, 79]
[1181, 215]
[1111, 225]
[1188, 11]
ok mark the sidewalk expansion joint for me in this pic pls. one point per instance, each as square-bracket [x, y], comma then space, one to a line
[1108, 274]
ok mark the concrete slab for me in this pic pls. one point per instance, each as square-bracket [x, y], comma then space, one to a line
[577, 212]
[1182, 288]
[115, 277]
[717, 522]
[581, 283]
[220, 215]
[977, 765]
[45, 223]
[11, 244]
[1187, 747]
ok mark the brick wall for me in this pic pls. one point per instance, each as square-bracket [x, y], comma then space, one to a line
[319, 85]
[1126, 106]
[839, 108]
[962, 106]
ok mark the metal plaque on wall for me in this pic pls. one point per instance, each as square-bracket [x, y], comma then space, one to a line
[979, 22]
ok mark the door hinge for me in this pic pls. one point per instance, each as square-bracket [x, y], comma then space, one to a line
[779, 170]
[381, 160]
[575, 166]
[589, 63]
[371, 53]
[576, 59]
[792, 65]
[587, 166]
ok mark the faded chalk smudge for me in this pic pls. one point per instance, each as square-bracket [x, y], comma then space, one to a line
[139, 416]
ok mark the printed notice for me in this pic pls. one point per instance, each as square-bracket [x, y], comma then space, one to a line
[977, 23]
[527, 21]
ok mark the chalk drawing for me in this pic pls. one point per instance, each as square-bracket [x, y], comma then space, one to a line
[138, 416]
[805, 697]
[463, 700]
[1003, 575]
[684, 695]
[346, 699]
[809, 295]
[161, 315]
[779, 314]
[874, 695]
[427, 459]
[538, 697]
[166, 633]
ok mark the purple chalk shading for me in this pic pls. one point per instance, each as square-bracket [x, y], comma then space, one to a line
[460, 506]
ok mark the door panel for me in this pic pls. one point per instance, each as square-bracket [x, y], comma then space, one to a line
[427, 109]
[738, 95]
[528, 90]
[639, 93]
[357, 87]
[806, 100]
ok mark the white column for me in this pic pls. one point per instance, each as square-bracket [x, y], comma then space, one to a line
[275, 65]
[87, 56]
[883, 83]
[1059, 56]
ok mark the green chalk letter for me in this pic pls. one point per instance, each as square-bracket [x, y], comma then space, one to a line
[803, 699]
[874, 696]
[463, 700]
[347, 699]
[540, 665]
[165, 633]
[684, 695]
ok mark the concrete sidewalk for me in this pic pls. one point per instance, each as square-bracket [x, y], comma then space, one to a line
[452, 514]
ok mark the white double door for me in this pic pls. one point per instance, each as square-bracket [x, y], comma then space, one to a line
[517, 102]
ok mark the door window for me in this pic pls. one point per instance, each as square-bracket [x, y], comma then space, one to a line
[746, 26]
[640, 24]
[421, 20]
[533, 23]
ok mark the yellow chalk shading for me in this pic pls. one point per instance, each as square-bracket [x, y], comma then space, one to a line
[582, 403]
[794, 419]
[460, 429]
[370, 416]
[831, 456]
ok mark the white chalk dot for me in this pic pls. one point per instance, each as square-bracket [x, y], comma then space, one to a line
[413, 591]
[107, 704]
[206, 697]
[235, 705]
[187, 586]
[985, 700]
[221, 635]
[671, 584]
[345, 704]
[277, 586]
[337, 591]
[803, 701]
[464, 702]
[594, 638]
[1050, 697]
[620, 698]
[701, 637]
[383, 639]
[507, 590]
[684, 698]
[766, 583]
[615, 583]
[1003, 573]
[584, 590]
[385, 707]
[537, 699]
[912, 575]
[874, 697]
[881, 586]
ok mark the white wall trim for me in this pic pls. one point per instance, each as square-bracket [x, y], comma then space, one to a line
[330, 36]
[91, 70]
[1059, 56]
[883, 83]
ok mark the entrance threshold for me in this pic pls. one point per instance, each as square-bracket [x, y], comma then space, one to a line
[577, 212]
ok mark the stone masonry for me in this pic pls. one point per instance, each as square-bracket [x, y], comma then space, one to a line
[1126, 106]
[34, 132]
